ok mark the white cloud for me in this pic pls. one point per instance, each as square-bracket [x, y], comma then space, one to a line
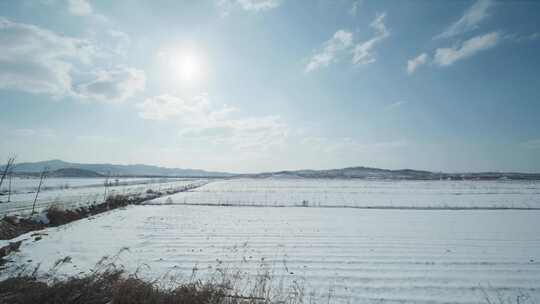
[161, 107]
[259, 5]
[416, 62]
[115, 85]
[120, 42]
[253, 133]
[470, 19]
[341, 41]
[201, 121]
[196, 112]
[447, 56]
[83, 8]
[363, 52]
[80, 7]
[39, 61]
[226, 6]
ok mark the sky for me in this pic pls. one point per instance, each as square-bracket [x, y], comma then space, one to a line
[266, 85]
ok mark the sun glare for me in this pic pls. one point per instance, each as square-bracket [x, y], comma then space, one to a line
[186, 67]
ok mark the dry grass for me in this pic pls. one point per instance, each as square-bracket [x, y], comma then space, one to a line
[113, 286]
[109, 284]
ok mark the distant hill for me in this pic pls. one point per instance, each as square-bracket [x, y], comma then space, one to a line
[73, 172]
[111, 169]
[407, 174]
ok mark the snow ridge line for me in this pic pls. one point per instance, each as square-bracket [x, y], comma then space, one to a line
[438, 208]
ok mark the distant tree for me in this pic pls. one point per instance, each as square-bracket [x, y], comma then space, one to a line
[106, 185]
[9, 188]
[41, 178]
[7, 168]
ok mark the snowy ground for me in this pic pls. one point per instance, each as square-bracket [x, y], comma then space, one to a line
[365, 193]
[416, 256]
[357, 255]
[29, 184]
[80, 191]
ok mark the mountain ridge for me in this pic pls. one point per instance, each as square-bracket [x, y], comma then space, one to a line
[410, 174]
[358, 172]
[115, 169]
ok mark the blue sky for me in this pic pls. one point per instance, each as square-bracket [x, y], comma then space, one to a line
[256, 85]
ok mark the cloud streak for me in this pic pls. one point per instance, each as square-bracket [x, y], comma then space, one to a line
[333, 48]
[363, 52]
[469, 21]
[416, 62]
[447, 56]
[342, 43]
[469, 48]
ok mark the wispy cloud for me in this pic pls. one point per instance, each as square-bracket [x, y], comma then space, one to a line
[522, 38]
[226, 6]
[113, 85]
[469, 48]
[196, 111]
[333, 48]
[470, 19]
[363, 52]
[201, 121]
[259, 5]
[252, 133]
[83, 8]
[395, 105]
[342, 43]
[416, 62]
[80, 7]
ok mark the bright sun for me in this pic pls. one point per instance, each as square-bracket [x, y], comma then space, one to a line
[187, 66]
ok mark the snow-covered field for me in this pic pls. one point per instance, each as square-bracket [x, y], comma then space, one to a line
[30, 184]
[75, 192]
[374, 256]
[365, 193]
[357, 255]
